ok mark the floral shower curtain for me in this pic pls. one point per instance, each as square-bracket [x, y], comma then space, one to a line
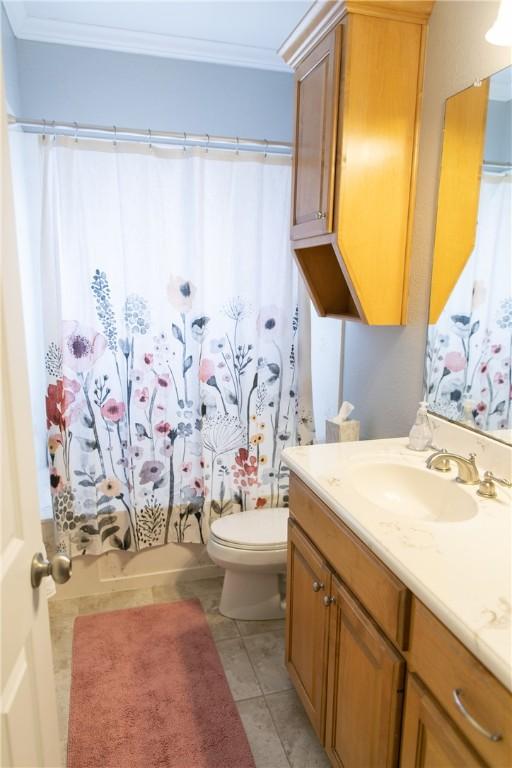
[172, 308]
[469, 349]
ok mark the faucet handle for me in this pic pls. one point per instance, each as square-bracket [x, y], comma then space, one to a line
[487, 487]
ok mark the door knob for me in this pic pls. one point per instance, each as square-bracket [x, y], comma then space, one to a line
[59, 568]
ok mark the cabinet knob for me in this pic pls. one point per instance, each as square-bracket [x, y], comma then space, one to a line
[320, 215]
[329, 600]
[317, 586]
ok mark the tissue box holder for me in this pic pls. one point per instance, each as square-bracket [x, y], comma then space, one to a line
[345, 432]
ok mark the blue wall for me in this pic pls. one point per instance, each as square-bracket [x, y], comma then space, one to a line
[10, 63]
[498, 135]
[136, 91]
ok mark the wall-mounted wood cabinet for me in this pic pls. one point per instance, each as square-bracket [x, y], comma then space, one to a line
[358, 73]
[375, 670]
[317, 88]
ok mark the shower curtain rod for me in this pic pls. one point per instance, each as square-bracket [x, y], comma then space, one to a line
[148, 136]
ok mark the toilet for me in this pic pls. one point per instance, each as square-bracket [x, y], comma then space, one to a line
[251, 547]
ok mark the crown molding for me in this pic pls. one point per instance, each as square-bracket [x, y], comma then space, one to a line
[326, 14]
[320, 19]
[26, 27]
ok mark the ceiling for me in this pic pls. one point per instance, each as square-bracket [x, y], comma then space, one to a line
[245, 33]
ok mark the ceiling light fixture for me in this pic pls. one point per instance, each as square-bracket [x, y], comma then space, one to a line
[501, 31]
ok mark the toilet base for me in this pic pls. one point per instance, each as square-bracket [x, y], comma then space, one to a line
[249, 595]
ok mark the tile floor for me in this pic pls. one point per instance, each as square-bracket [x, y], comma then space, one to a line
[252, 653]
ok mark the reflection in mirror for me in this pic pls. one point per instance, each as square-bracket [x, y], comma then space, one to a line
[468, 374]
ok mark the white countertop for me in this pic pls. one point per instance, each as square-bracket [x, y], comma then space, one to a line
[460, 570]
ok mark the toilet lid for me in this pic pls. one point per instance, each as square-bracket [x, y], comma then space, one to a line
[256, 529]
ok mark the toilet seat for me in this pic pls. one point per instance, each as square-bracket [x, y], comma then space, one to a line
[256, 530]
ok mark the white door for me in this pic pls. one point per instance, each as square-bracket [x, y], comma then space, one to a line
[29, 714]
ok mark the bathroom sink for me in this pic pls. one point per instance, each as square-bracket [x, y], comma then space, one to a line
[414, 493]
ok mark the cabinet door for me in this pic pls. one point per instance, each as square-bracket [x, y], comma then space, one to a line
[429, 738]
[308, 582]
[316, 114]
[365, 689]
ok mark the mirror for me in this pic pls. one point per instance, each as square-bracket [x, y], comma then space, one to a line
[468, 374]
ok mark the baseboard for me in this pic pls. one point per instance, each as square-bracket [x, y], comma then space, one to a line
[116, 570]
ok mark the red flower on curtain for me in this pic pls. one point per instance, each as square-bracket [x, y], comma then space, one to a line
[59, 398]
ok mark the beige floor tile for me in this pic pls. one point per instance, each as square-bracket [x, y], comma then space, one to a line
[62, 689]
[64, 751]
[238, 669]
[204, 587]
[221, 627]
[114, 601]
[300, 742]
[61, 630]
[266, 652]
[247, 628]
[172, 593]
[68, 607]
[265, 745]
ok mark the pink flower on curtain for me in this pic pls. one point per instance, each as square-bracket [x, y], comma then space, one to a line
[151, 472]
[181, 293]
[82, 347]
[142, 396]
[455, 362]
[113, 410]
[206, 369]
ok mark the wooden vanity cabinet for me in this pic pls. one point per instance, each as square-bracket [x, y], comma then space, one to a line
[430, 738]
[357, 639]
[365, 688]
[348, 676]
[308, 583]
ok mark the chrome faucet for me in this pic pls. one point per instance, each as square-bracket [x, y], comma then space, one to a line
[468, 472]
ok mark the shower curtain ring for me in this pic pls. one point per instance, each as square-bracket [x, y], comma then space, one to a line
[76, 132]
[184, 141]
[44, 129]
[54, 137]
[207, 143]
[115, 137]
[150, 144]
[265, 155]
[237, 146]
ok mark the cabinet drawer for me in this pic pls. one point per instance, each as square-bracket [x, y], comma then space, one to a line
[382, 594]
[445, 665]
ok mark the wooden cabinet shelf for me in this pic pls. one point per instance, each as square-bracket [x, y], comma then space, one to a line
[357, 641]
[358, 78]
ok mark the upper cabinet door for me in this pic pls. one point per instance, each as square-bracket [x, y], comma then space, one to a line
[317, 98]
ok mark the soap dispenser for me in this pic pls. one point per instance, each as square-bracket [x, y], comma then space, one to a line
[420, 436]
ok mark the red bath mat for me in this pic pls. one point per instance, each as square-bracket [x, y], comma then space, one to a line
[148, 691]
